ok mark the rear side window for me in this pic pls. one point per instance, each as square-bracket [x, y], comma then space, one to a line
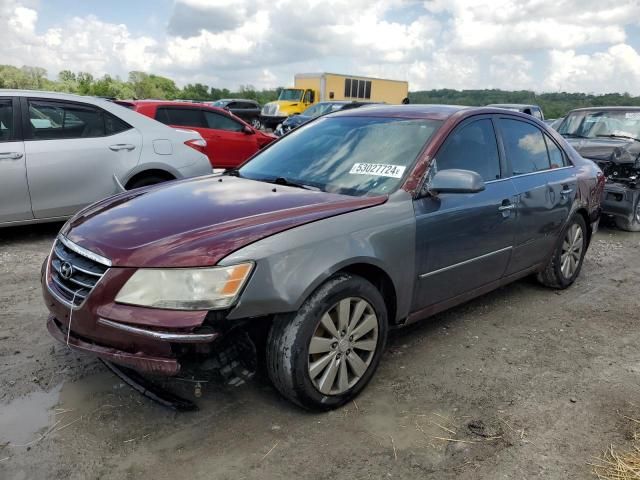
[221, 122]
[183, 117]
[555, 154]
[525, 147]
[113, 124]
[6, 120]
[472, 147]
[61, 120]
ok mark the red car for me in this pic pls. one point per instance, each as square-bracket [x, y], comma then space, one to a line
[230, 141]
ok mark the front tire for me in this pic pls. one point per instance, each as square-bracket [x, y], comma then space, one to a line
[324, 355]
[566, 262]
[255, 123]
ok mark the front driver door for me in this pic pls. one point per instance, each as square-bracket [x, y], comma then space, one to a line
[464, 241]
[232, 145]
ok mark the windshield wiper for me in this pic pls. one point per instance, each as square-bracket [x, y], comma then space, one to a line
[289, 183]
[573, 135]
[613, 135]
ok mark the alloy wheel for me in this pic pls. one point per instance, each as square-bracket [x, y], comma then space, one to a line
[343, 346]
[572, 246]
[255, 123]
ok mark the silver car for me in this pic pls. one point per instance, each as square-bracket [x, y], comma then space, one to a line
[61, 152]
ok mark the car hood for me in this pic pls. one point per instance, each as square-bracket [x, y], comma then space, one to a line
[616, 150]
[199, 221]
[296, 120]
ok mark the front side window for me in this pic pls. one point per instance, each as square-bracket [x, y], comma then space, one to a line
[591, 124]
[183, 117]
[525, 147]
[6, 120]
[60, 120]
[471, 147]
[221, 122]
[347, 155]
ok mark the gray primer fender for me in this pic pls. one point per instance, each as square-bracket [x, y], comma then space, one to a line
[292, 264]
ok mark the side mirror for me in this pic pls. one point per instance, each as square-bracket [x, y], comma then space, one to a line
[455, 181]
[248, 130]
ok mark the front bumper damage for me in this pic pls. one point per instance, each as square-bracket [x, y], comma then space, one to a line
[619, 200]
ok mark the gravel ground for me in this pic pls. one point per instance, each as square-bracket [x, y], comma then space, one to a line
[522, 383]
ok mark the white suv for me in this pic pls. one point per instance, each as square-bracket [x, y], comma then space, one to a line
[61, 152]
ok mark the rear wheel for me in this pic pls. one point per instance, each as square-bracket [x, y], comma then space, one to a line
[255, 123]
[325, 354]
[566, 261]
[632, 224]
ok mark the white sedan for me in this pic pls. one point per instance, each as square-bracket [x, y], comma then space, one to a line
[61, 152]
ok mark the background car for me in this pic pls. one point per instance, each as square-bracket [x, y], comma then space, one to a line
[359, 222]
[60, 152]
[315, 111]
[533, 110]
[230, 141]
[247, 110]
[610, 136]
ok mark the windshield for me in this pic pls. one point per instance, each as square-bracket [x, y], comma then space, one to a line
[320, 109]
[220, 103]
[290, 94]
[615, 123]
[347, 155]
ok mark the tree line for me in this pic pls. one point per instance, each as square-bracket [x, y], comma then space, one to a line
[142, 85]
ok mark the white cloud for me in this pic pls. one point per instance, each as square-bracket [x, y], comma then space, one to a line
[511, 44]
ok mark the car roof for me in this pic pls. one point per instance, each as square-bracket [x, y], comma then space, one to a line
[600, 109]
[52, 95]
[513, 105]
[233, 100]
[435, 112]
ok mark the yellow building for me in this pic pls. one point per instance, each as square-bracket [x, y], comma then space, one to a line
[310, 88]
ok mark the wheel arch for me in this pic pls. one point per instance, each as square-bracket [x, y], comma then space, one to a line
[151, 172]
[368, 268]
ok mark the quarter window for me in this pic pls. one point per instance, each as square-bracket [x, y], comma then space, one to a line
[6, 121]
[184, 117]
[221, 122]
[525, 147]
[555, 154]
[53, 121]
[472, 147]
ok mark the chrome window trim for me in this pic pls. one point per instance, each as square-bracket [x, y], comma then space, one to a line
[84, 252]
[465, 262]
[542, 171]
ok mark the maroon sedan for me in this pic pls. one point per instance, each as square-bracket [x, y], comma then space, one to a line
[355, 223]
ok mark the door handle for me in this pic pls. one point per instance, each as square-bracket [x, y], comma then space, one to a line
[122, 146]
[11, 155]
[507, 207]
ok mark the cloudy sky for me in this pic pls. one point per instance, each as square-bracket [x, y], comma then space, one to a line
[544, 45]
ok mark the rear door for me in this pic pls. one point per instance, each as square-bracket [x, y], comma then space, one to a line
[464, 241]
[73, 150]
[15, 204]
[546, 185]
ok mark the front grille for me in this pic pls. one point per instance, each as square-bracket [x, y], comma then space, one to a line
[270, 109]
[73, 275]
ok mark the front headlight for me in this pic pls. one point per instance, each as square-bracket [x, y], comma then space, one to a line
[185, 288]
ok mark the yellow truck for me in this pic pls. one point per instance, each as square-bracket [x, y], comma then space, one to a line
[310, 88]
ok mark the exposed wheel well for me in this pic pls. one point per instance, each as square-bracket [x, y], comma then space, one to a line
[149, 173]
[381, 281]
[587, 222]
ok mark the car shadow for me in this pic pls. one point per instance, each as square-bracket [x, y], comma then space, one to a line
[33, 232]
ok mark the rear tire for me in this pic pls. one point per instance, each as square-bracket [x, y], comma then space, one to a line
[322, 368]
[147, 181]
[633, 224]
[566, 262]
[255, 123]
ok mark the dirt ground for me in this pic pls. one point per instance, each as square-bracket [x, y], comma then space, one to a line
[521, 383]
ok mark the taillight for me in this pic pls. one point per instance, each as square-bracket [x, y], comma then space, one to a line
[197, 144]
